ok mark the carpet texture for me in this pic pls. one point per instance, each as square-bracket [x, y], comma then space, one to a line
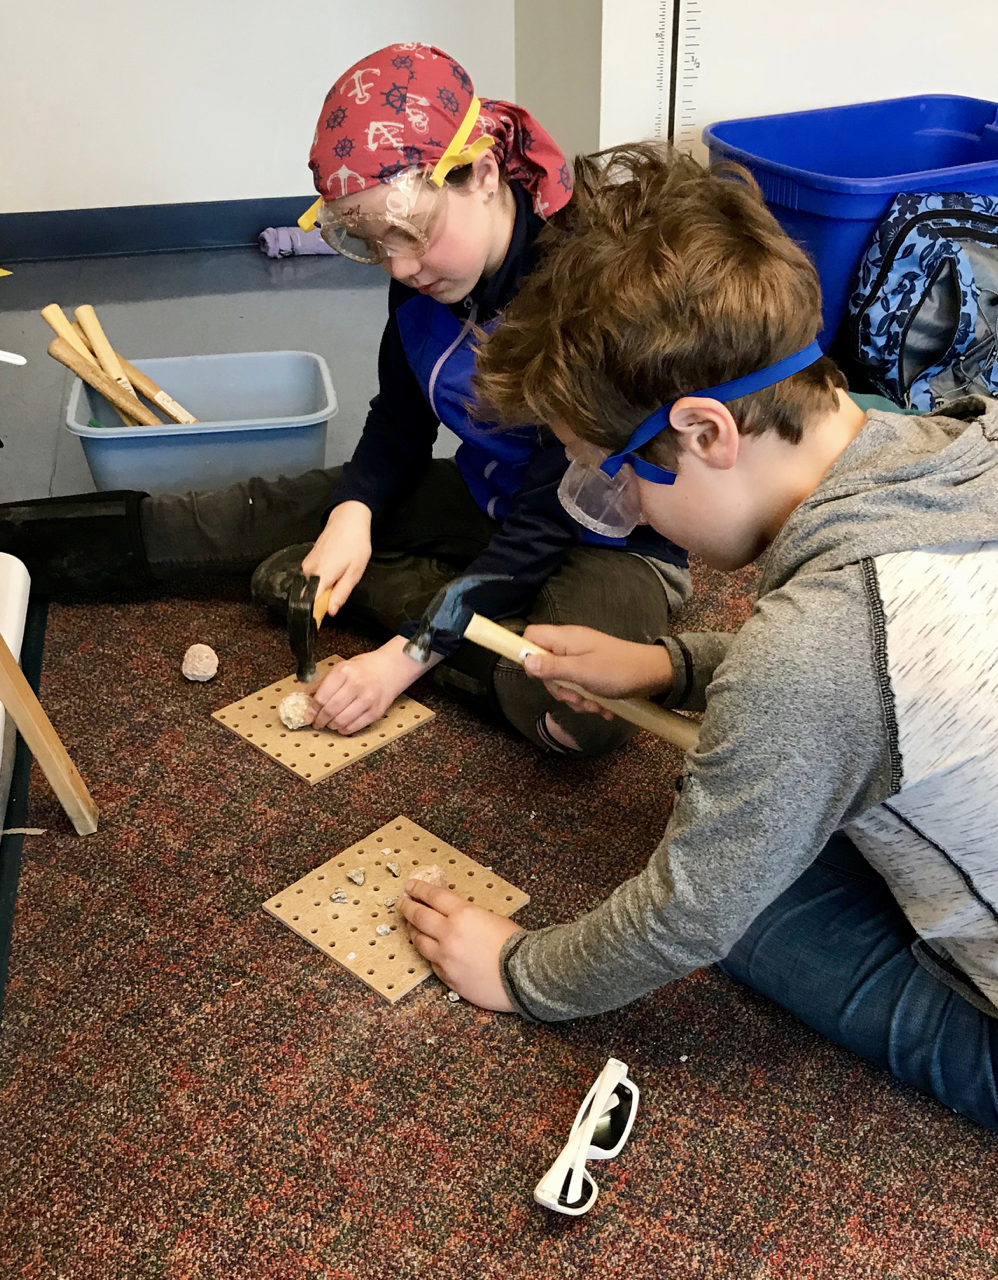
[188, 1090]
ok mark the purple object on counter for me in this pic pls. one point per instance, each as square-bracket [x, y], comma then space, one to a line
[287, 242]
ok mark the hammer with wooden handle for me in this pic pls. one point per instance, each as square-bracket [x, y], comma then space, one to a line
[56, 319]
[95, 377]
[86, 317]
[151, 390]
[449, 617]
[306, 609]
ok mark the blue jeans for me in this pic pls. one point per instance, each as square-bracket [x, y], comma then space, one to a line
[835, 950]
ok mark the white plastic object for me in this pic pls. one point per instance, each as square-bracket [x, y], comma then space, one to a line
[601, 1099]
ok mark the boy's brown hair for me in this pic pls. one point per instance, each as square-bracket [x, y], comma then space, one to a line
[660, 278]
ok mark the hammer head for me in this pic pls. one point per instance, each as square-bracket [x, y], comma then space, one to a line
[302, 627]
[448, 614]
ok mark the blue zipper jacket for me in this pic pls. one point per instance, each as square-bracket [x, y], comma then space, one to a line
[424, 370]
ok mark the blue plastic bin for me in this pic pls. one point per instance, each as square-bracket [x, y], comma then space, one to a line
[261, 413]
[830, 175]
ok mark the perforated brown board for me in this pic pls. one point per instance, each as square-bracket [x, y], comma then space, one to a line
[314, 754]
[347, 931]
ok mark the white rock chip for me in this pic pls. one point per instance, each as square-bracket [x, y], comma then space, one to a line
[383, 930]
[352, 955]
[356, 875]
[200, 662]
[453, 997]
[338, 895]
[296, 711]
[393, 867]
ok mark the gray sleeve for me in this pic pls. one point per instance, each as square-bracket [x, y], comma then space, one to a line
[792, 746]
[695, 656]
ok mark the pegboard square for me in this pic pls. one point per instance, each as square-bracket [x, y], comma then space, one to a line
[314, 754]
[348, 931]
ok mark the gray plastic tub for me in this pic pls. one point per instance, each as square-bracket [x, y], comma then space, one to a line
[262, 413]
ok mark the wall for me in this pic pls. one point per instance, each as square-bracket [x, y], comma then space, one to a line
[558, 68]
[122, 102]
[737, 59]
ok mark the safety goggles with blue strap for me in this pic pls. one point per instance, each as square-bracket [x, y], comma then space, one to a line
[599, 489]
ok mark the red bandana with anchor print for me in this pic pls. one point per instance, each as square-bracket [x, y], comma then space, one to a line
[412, 105]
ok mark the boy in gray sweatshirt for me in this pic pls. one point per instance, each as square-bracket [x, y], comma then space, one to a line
[833, 841]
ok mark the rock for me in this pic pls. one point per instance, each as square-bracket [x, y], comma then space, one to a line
[356, 875]
[338, 895]
[296, 711]
[431, 875]
[383, 930]
[453, 997]
[200, 662]
[393, 867]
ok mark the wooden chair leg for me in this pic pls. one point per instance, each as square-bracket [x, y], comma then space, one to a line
[45, 744]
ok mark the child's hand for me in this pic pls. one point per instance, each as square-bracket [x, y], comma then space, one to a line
[461, 941]
[601, 663]
[361, 690]
[341, 552]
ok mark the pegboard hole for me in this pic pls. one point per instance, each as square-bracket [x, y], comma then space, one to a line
[370, 973]
[372, 943]
[356, 902]
[391, 957]
[509, 898]
[471, 873]
[412, 970]
[452, 886]
[336, 915]
[353, 928]
[391, 986]
[294, 917]
[490, 886]
[451, 860]
[313, 930]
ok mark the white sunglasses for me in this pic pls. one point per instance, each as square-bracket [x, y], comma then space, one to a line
[601, 1128]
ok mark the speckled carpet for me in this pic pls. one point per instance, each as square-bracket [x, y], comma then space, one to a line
[187, 1090]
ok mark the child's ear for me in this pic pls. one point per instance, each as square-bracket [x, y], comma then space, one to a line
[485, 173]
[706, 431]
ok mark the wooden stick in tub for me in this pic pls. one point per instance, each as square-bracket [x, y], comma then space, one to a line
[151, 390]
[86, 317]
[95, 377]
[56, 319]
[665, 724]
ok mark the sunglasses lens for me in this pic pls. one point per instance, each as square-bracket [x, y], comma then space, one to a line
[586, 1196]
[611, 1125]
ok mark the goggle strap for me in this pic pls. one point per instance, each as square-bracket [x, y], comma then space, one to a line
[744, 386]
[311, 215]
[456, 153]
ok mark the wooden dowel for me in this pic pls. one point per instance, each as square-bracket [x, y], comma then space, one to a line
[151, 390]
[665, 724]
[44, 743]
[56, 319]
[95, 377]
[107, 359]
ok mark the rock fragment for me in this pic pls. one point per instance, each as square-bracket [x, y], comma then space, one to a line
[296, 711]
[338, 895]
[431, 875]
[453, 997]
[356, 875]
[393, 867]
[200, 662]
[383, 930]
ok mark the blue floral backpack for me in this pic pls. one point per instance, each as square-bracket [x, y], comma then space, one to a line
[924, 312]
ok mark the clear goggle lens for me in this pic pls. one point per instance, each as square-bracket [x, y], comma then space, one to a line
[394, 220]
[608, 505]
